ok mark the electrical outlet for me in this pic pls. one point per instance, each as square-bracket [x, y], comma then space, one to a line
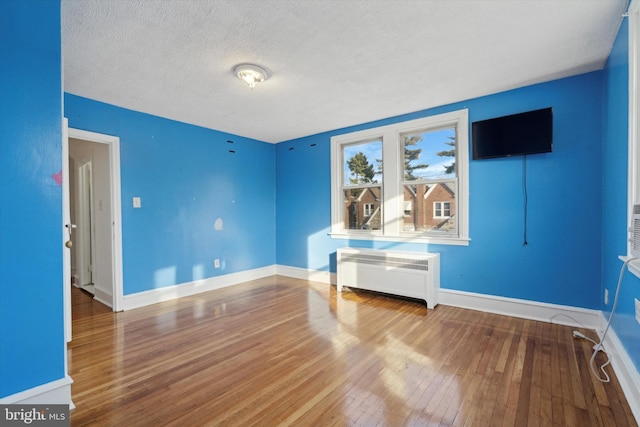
[637, 301]
[216, 263]
[606, 297]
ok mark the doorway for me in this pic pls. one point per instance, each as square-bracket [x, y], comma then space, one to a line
[82, 213]
[95, 210]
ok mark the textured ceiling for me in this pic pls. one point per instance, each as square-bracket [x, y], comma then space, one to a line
[333, 63]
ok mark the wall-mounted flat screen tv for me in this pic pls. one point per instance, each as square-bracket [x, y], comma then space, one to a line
[514, 135]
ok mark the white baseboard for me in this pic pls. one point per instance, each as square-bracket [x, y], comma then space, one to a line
[168, 293]
[625, 370]
[545, 312]
[103, 297]
[56, 392]
[305, 274]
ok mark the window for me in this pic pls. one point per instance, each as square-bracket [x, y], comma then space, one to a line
[368, 209]
[429, 179]
[403, 182]
[360, 185]
[441, 209]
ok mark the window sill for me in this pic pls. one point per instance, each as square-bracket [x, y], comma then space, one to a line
[454, 241]
[634, 266]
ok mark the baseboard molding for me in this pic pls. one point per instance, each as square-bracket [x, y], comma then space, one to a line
[545, 312]
[56, 392]
[533, 310]
[168, 293]
[625, 370]
[306, 274]
[103, 297]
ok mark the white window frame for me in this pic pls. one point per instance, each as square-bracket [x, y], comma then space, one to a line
[392, 191]
[369, 208]
[441, 209]
[634, 120]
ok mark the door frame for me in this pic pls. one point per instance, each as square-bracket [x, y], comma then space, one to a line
[113, 143]
[66, 236]
[84, 223]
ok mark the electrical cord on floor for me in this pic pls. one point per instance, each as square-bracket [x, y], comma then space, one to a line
[557, 315]
[597, 346]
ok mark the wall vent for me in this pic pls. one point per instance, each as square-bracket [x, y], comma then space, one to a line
[382, 259]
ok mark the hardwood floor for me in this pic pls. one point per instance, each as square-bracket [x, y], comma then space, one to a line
[280, 351]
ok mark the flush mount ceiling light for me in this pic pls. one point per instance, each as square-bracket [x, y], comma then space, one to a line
[251, 74]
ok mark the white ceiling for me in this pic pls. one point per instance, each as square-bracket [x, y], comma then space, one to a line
[333, 63]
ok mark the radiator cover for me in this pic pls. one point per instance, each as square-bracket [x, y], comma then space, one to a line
[408, 274]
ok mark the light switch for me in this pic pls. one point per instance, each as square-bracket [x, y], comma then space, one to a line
[136, 202]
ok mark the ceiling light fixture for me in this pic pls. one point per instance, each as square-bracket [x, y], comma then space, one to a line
[251, 74]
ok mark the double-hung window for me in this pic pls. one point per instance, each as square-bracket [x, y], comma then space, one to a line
[403, 182]
[442, 210]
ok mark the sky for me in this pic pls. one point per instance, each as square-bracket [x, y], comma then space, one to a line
[432, 143]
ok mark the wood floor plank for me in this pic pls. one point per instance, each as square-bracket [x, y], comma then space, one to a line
[281, 351]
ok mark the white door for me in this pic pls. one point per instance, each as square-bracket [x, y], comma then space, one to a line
[67, 228]
[84, 222]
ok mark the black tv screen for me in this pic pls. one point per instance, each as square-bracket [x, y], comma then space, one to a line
[514, 135]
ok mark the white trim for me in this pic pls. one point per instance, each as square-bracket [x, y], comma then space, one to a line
[60, 390]
[116, 210]
[56, 392]
[393, 212]
[307, 274]
[442, 210]
[532, 310]
[633, 186]
[66, 252]
[169, 293]
[625, 370]
[102, 297]
[84, 208]
[633, 265]
[369, 208]
[431, 240]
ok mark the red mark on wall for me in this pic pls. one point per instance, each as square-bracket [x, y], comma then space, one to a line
[57, 177]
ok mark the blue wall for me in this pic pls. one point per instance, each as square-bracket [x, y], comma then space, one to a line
[31, 305]
[187, 178]
[560, 265]
[615, 166]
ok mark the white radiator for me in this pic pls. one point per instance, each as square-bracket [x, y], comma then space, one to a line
[409, 274]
